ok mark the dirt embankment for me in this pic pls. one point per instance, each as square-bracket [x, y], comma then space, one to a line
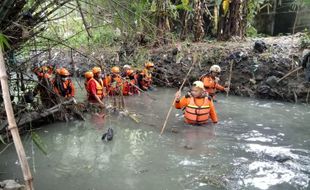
[255, 74]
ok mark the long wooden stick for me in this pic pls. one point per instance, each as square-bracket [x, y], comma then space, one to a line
[289, 73]
[307, 98]
[184, 80]
[13, 126]
[231, 63]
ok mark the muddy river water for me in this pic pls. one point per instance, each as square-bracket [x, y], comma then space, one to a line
[256, 145]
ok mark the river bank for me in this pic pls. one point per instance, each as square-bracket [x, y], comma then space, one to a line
[254, 74]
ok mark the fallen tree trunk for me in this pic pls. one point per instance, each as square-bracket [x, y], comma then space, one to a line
[28, 118]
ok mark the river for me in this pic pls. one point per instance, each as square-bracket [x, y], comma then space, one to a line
[256, 145]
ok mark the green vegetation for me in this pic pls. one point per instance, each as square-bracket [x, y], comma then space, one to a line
[305, 40]
[110, 25]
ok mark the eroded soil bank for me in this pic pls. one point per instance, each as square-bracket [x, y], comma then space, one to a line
[255, 74]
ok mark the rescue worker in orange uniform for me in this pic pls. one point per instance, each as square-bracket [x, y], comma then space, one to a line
[42, 72]
[63, 86]
[125, 69]
[130, 84]
[95, 87]
[44, 87]
[88, 75]
[145, 77]
[197, 104]
[114, 82]
[211, 79]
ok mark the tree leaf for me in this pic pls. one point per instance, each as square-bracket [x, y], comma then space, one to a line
[4, 41]
[185, 2]
[38, 141]
[2, 140]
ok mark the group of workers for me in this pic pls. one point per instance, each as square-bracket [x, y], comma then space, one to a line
[197, 104]
[50, 87]
[126, 82]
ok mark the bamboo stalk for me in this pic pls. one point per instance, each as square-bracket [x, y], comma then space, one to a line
[307, 98]
[289, 73]
[83, 18]
[13, 126]
[231, 62]
[184, 80]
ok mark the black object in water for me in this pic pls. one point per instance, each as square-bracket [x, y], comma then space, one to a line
[108, 136]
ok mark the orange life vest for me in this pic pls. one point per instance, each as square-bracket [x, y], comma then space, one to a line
[146, 81]
[86, 85]
[63, 88]
[148, 75]
[211, 85]
[114, 84]
[99, 88]
[197, 114]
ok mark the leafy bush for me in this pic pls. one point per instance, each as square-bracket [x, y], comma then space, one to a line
[305, 40]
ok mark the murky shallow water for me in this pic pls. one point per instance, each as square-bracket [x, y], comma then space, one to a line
[256, 145]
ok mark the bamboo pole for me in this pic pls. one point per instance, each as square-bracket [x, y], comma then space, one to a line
[307, 98]
[231, 63]
[184, 80]
[289, 73]
[13, 126]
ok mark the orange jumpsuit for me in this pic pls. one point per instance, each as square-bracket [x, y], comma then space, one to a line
[113, 84]
[145, 79]
[95, 87]
[130, 85]
[64, 88]
[210, 85]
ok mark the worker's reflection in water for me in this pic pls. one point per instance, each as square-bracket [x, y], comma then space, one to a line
[198, 138]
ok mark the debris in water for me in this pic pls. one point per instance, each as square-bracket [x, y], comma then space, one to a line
[174, 130]
[108, 136]
[11, 184]
[187, 147]
[282, 158]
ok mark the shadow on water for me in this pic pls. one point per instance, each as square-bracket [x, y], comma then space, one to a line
[256, 145]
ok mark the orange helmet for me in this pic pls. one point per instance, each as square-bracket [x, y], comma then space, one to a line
[89, 74]
[115, 69]
[149, 64]
[96, 70]
[129, 72]
[63, 72]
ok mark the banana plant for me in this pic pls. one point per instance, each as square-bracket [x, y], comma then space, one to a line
[296, 6]
[4, 42]
[184, 5]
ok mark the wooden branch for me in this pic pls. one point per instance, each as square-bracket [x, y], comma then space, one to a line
[13, 126]
[231, 63]
[34, 116]
[97, 61]
[289, 73]
[83, 18]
